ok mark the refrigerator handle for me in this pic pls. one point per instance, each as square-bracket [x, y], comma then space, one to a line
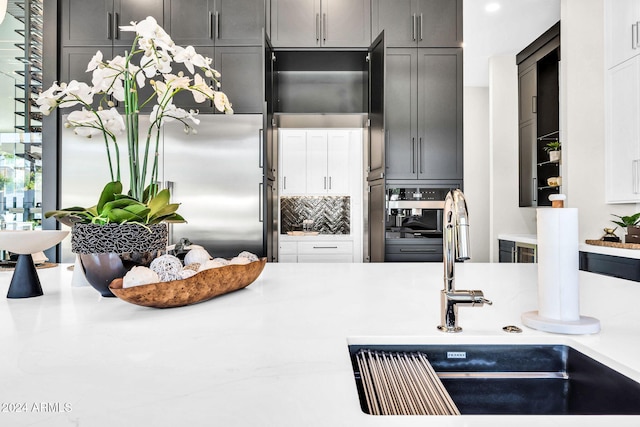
[169, 186]
[261, 149]
[260, 207]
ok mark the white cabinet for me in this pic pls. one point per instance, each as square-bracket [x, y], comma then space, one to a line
[622, 38]
[622, 133]
[316, 250]
[293, 162]
[316, 162]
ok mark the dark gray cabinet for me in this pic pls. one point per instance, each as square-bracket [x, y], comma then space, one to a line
[96, 23]
[320, 23]
[242, 74]
[538, 117]
[221, 22]
[423, 112]
[376, 209]
[418, 23]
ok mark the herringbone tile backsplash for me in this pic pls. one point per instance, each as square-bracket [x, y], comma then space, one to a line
[330, 214]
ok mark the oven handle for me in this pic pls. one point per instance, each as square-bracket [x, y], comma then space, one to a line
[419, 251]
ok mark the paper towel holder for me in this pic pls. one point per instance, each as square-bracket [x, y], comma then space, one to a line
[558, 287]
[582, 326]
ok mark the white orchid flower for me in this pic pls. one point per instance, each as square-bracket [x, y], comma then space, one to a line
[85, 123]
[48, 100]
[112, 121]
[95, 62]
[149, 29]
[177, 82]
[171, 113]
[76, 92]
[156, 62]
[190, 58]
[221, 101]
[200, 89]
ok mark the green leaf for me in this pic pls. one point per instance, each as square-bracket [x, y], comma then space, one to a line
[118, 215]
[159, 202]
[108, 194]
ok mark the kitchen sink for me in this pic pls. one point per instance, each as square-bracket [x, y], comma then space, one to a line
[521, 379]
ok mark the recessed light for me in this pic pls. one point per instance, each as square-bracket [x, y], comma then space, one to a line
[492, 7]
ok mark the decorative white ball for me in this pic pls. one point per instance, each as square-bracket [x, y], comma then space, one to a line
[167, 266]
[222, 261]
[196, 255]
[250, 256]
[239, 260]
[139, 275]
[212, 263]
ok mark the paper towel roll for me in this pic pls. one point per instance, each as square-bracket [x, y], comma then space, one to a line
[558, 264]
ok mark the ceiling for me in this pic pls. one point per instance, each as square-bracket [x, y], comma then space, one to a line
[505, 31]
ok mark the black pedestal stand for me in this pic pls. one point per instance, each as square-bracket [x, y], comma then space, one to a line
[25, 282]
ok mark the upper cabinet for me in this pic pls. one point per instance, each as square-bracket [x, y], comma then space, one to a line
[423, 114]
[320, 23]
[421, 23]
[221, 22]
[622, 101]
[622, 38]
[90, 23]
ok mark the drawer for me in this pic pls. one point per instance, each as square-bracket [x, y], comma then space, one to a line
[325, 247]
[288, 248]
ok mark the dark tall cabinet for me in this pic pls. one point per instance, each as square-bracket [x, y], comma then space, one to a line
[538, 117]
[424, 114]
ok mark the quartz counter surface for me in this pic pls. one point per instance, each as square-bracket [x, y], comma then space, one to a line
[274, 353]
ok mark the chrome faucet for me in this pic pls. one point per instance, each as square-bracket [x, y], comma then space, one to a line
[455, 244]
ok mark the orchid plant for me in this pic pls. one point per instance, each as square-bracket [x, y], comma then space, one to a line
[150, 60]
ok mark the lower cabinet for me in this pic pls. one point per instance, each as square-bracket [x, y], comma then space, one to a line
[423, 250]
[517, 252]
[316, 251]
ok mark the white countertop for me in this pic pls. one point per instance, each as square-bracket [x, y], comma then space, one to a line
[275, 353]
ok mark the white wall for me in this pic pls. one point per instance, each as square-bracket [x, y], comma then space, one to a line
[476, 169]
[506, 216]
[582, 111]
[581, 128]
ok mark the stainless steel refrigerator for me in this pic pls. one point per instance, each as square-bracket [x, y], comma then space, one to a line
[216, 175]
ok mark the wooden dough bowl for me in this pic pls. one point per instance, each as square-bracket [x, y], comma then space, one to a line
[198, 288]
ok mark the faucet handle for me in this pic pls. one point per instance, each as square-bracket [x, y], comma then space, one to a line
[479, 299]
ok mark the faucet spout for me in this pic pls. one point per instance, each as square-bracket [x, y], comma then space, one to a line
[456, 247]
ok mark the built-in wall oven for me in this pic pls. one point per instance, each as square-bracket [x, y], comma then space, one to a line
[413, 224]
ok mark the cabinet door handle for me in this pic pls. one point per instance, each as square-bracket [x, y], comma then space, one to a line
[324, 27]
[413, 155]
[217, 24]
[534, 104]
[117, 26]
[261, 148]
[260, 207]
[413, 27]
[210, 24]
[514, 258]
[420, 28]
[317, 27]
[325, 247]
[418, 251]
[329, 183]
[325, 183]
[420, 155]
[535, 190]
[109, 25]
[284, 182]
